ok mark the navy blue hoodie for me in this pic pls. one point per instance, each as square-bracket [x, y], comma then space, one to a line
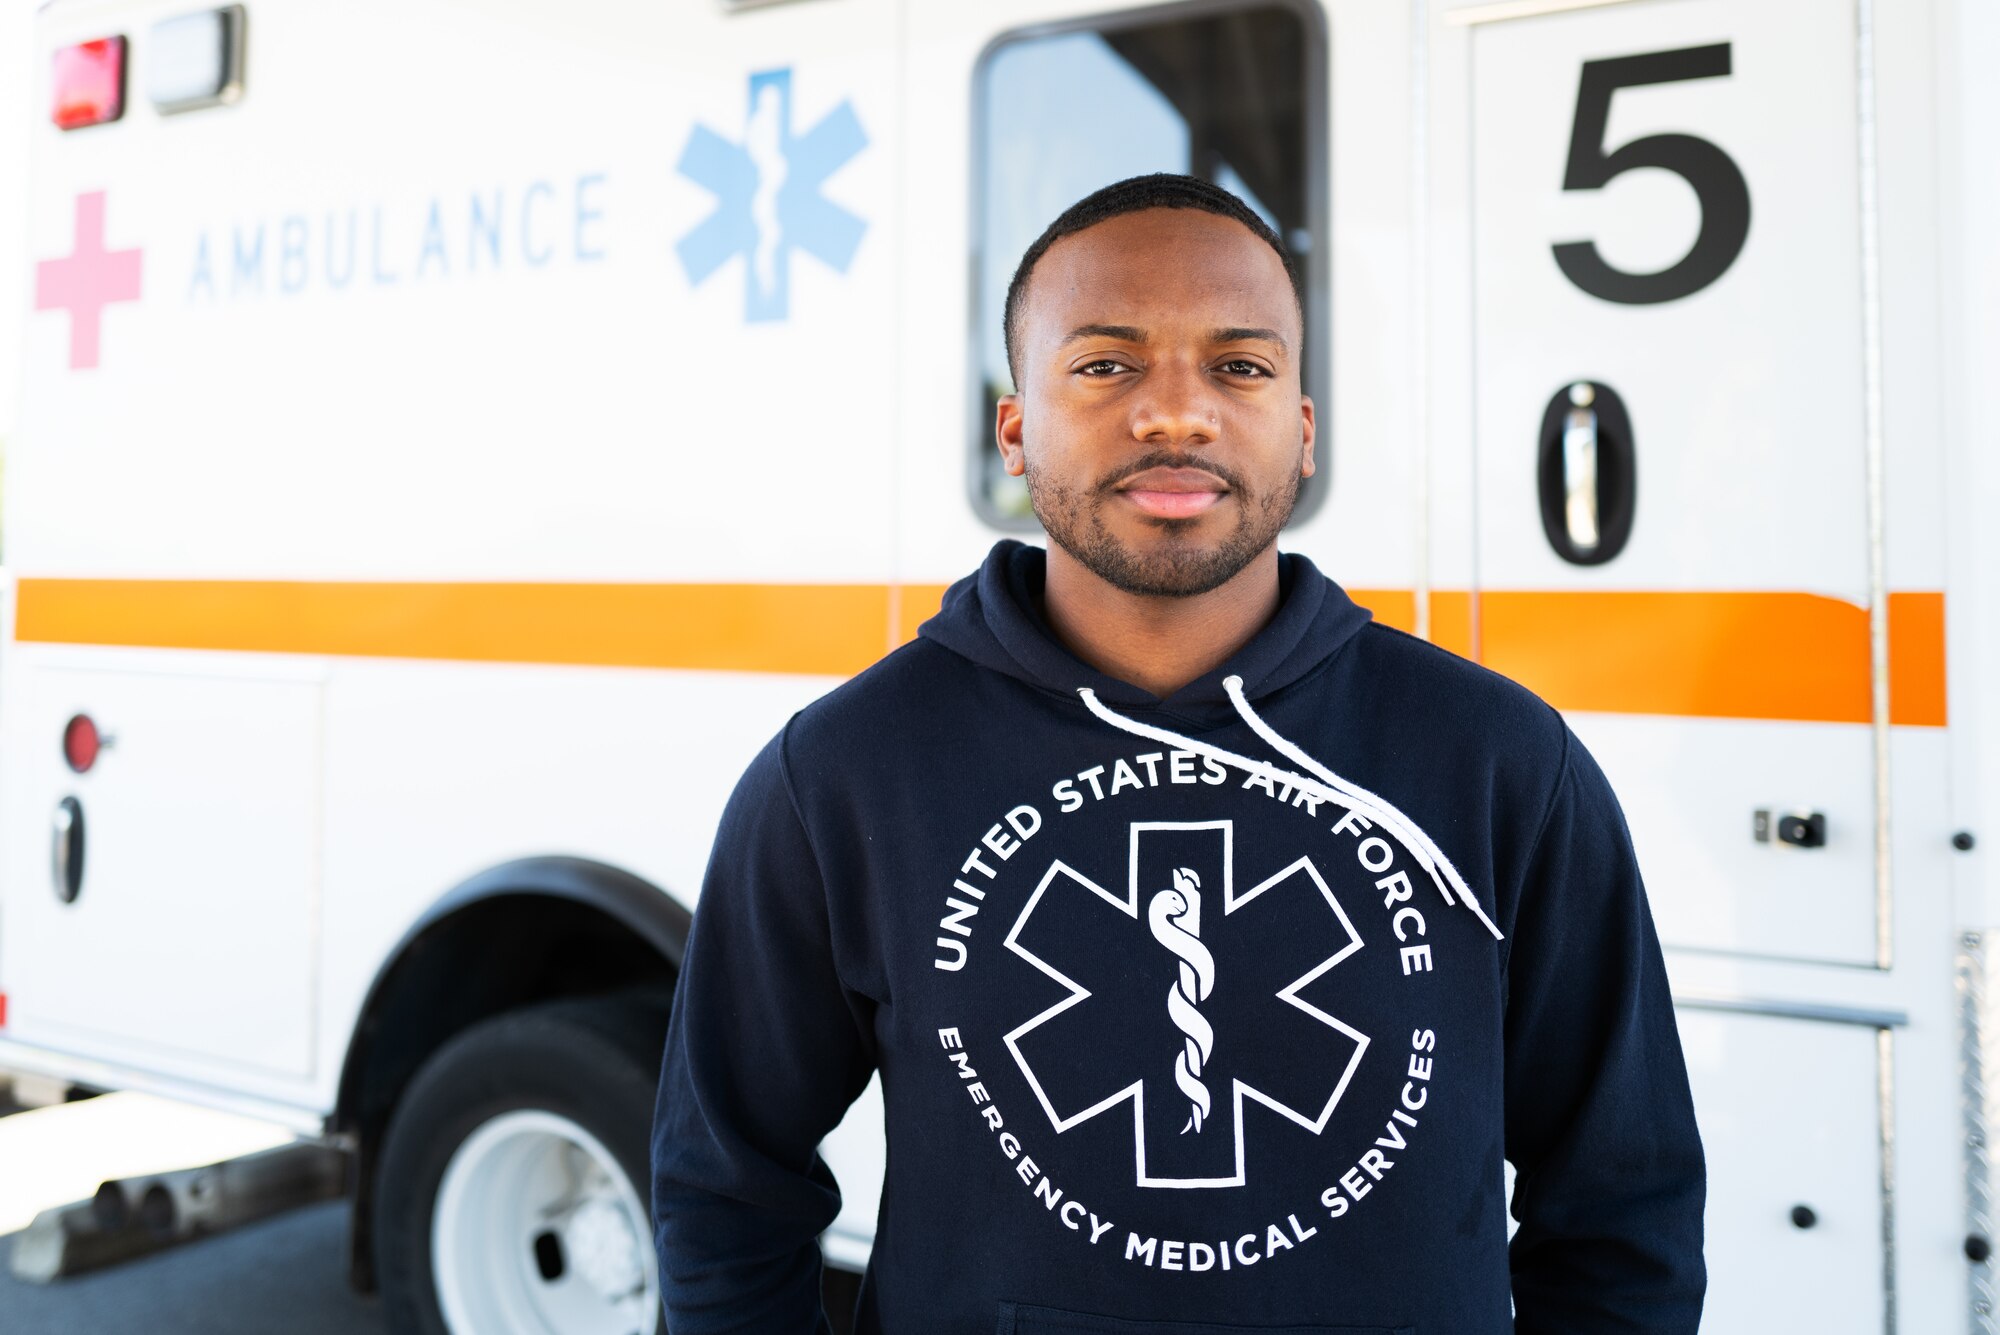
[1203, 1014]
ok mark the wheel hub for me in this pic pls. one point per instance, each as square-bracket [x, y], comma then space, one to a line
[538, 1231]
[599, 1242]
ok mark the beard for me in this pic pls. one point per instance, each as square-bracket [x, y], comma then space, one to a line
[1179, 564]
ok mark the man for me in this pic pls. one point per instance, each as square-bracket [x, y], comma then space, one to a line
[1214, 943]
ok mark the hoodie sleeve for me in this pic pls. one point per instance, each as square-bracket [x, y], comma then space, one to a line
[765, 1050]
[1610, 1180]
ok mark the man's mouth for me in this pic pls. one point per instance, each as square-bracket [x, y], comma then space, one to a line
[1173, 493]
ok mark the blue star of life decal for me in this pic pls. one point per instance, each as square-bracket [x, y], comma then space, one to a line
[1194, 1023]
[767, 192]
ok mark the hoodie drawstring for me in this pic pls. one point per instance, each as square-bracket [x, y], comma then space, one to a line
[1327, 787]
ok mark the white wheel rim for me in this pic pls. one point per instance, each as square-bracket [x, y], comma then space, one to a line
[531, 1191]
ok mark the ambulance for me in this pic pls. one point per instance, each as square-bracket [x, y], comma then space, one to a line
[456, 434]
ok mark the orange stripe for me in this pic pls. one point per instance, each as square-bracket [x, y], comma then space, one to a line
[1451, 621]
[1916, 659]
[835, 629]
[920, 603]
[1392, 607]
[1715, 654]
[1697, 654]
[1712, 655]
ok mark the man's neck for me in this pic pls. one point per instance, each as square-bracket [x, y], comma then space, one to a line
[1158, 644]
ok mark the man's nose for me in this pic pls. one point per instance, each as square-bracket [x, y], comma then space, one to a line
[1176, 405]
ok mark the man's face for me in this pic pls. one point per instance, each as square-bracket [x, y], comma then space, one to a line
[1159, 421]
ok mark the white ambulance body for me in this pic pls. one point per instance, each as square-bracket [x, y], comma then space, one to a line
[457, 433]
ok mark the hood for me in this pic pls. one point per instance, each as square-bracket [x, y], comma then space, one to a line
[994, 618]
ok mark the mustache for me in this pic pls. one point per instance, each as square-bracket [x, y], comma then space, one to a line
[1165, 458]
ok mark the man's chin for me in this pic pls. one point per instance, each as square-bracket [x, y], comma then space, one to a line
[1171, 570]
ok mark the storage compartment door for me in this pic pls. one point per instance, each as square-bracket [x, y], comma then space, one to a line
[1789, 1121]
[190, 942]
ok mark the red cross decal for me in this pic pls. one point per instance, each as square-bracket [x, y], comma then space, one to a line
[87, 280]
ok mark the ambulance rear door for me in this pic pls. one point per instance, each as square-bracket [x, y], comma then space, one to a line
[1670, 540]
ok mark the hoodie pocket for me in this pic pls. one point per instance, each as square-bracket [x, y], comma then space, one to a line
[1021, 1319]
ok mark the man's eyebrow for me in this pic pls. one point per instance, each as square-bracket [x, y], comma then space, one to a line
[1125, 333]
[1238, 335]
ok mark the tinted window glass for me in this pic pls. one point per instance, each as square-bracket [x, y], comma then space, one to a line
[1230, 95]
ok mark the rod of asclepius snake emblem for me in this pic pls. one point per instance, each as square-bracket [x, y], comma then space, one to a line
[1175, 917]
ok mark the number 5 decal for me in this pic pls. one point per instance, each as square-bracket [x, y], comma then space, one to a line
[1717, 181]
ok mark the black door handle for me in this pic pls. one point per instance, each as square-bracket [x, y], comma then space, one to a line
[1586, 473]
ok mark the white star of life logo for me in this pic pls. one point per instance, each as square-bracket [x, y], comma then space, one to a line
[1173, 911]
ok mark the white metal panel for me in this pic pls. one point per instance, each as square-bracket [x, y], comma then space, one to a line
[437, 771]
[1930, 1149]
[1787, 1110]
[194, 932]
[430, 262]
[1913, 127]
[1369, 532]
[1709, 883]
[1745, 396]
[1448, 259]
[1968, 52]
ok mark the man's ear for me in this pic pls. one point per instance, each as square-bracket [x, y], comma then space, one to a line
[1306, 460]
[1007, 434]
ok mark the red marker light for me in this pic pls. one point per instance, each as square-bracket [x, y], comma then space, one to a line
[89, 83]
[81, 743]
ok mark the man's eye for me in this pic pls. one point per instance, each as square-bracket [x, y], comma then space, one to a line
[1101, 367]
[1239, 366]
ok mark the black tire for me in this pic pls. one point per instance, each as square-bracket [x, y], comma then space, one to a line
[594, 1060]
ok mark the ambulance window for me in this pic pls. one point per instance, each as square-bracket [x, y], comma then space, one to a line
[1233, 93]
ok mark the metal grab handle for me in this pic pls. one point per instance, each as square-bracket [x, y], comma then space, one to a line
[66, 857]
[1579, 456]
[1586, 475]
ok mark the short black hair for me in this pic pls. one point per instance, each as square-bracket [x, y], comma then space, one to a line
[1161, 190]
